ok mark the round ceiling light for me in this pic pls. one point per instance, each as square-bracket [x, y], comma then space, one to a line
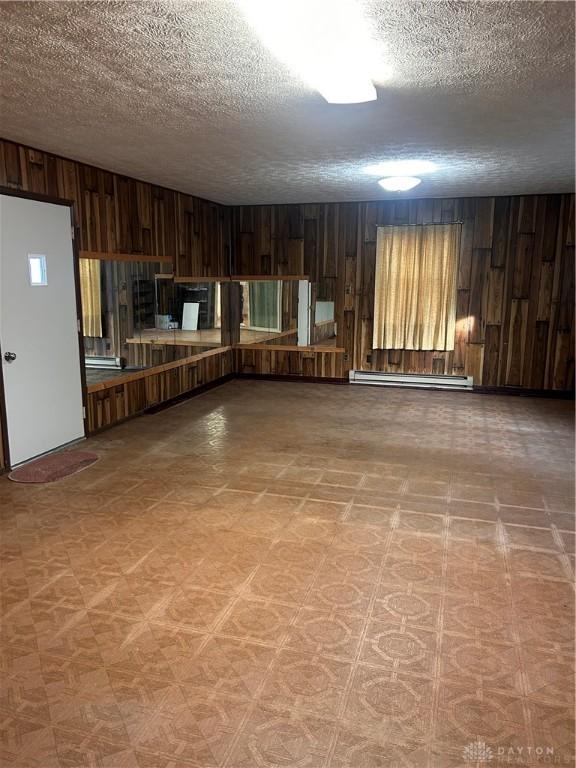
[401, 168]
[399, 183]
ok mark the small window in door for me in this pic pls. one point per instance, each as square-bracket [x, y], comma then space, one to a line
[37, 267]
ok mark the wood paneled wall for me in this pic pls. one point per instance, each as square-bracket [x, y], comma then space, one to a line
[118, 215]
[289, 361]
[515, 316]
[111, 402]
[289, 240]
[515, 287]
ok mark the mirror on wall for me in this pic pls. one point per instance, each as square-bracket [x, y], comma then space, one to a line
[323, 329]
[135, 316]
[187, 308]
[323, 325]
[117, 304]
[286, 313]
[186, 322]
[269, 312]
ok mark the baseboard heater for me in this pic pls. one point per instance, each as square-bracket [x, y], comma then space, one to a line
[104, 362]
[420, 381]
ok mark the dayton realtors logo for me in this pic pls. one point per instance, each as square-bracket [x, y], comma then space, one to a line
[479, 752]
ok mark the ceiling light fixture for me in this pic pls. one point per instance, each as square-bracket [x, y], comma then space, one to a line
[399, 183]
[401, 168]
[328, 43]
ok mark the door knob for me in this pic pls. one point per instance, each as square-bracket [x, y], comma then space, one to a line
[9, 356]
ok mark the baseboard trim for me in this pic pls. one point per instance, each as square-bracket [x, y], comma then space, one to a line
[551, 394]
[188, 395]
[293, 377]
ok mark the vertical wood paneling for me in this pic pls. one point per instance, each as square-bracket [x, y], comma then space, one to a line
[515, 308]
[477, 309]
[115, 214]
[500, 236]
[515, 305]
[289, 362]
[114, 401]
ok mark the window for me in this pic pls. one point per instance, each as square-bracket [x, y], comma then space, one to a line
[37, 269]
[415, 287]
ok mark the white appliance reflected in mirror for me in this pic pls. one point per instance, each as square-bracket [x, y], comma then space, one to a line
[304, 304]
[190, 312]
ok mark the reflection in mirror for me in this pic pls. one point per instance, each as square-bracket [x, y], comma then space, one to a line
[117, 302]
[136, 316]
[269, 312]
[287, 313]
[322, 313]
[185, 322]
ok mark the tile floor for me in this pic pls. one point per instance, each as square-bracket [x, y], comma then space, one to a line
[297, 576]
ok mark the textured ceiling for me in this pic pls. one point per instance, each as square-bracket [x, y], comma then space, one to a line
[182, 94]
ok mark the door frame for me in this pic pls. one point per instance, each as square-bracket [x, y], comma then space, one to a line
[9, 191]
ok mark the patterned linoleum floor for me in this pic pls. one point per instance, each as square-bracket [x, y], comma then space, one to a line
[297, 576]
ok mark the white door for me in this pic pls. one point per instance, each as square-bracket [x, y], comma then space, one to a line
[38, 328]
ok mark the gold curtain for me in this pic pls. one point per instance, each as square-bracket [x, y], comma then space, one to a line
[91, 299]
[415, 290]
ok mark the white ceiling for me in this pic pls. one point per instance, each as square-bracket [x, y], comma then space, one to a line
[182, 94]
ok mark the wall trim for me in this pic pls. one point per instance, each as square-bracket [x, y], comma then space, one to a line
[291, 347]
[291, 377]
[552, 394]
[121, 256]
[145, 373]
[154, 409]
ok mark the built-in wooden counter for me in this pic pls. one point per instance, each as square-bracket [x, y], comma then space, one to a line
[210, 337]
[155, 347]
[110, 402]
